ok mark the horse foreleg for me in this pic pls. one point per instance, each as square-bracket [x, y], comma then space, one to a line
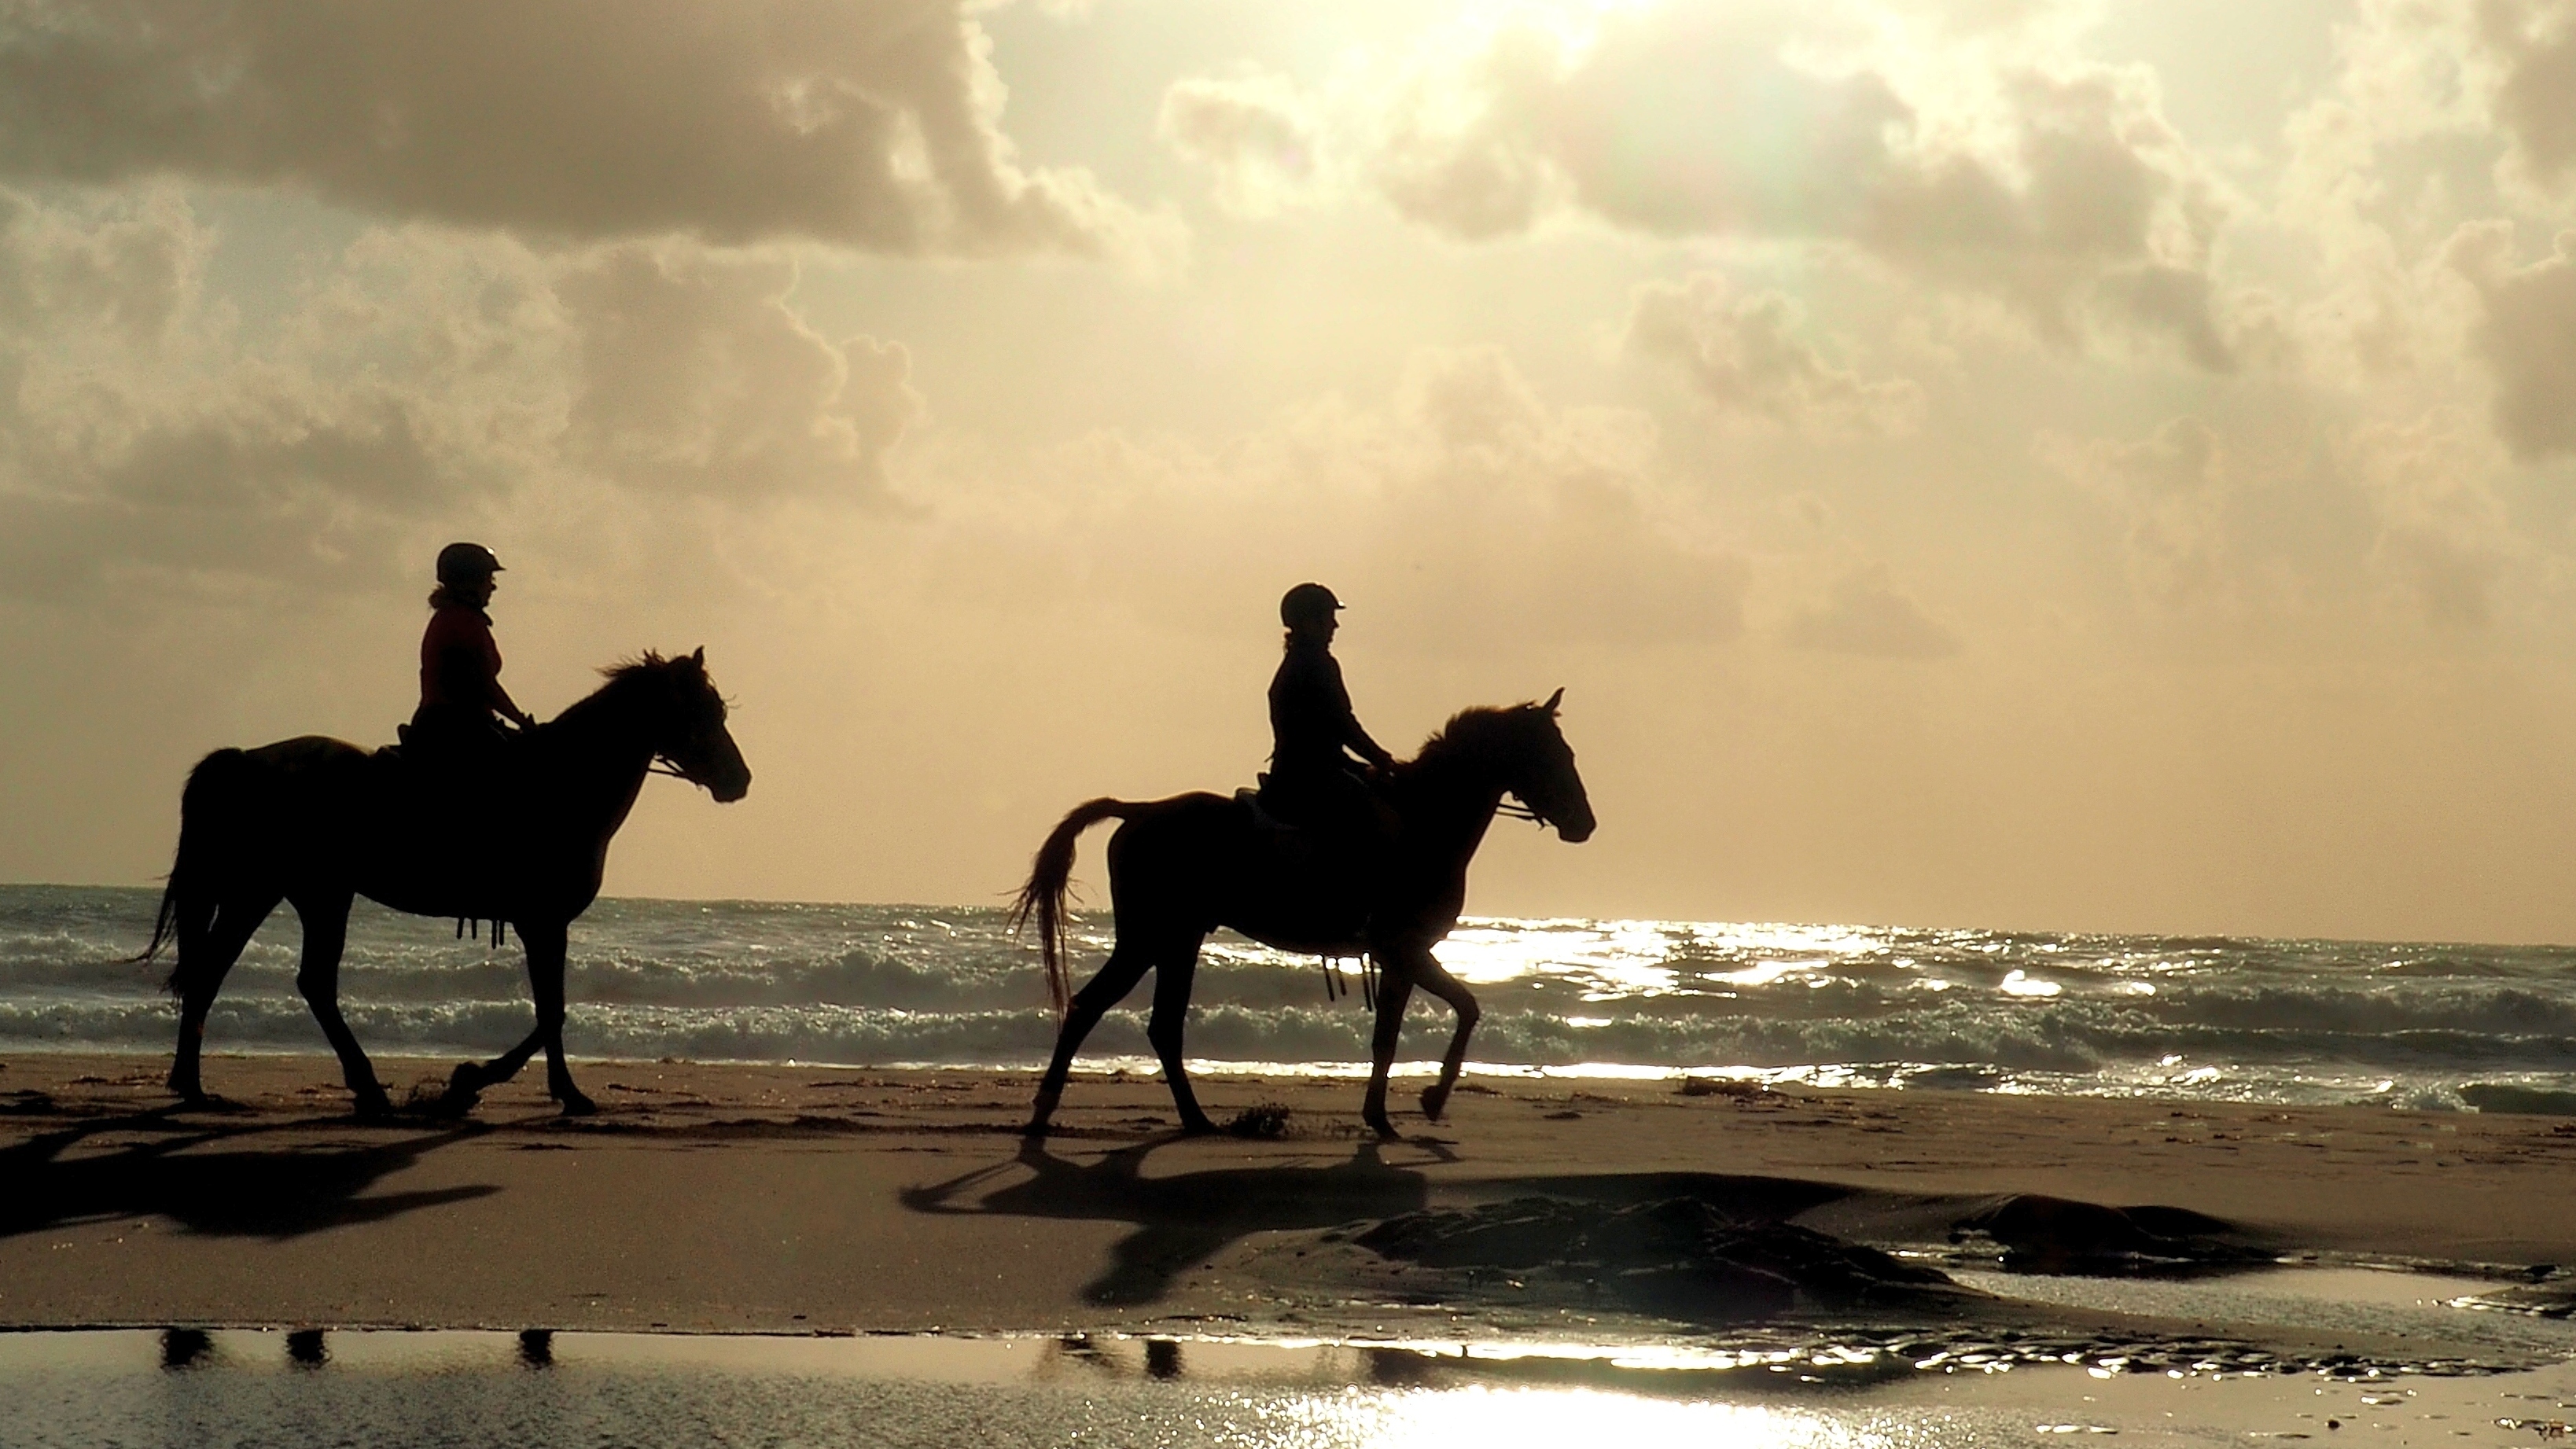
[1125, 967]
[1173, 973]
[1435, 979]
[205, 957]
[546, 948]
[326, 931]
[1394, 989]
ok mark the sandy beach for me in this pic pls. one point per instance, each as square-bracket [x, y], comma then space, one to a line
[803, 1200]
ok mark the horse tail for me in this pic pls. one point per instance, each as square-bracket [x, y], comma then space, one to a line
[209, 805]
[1042, 899]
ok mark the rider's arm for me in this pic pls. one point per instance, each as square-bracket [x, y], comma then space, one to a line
[1354, 738]
[509, 707]
[1367, 749]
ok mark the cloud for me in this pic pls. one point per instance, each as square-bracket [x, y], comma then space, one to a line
[1742, 354]
[424, 378]
[2535, 94]
[2173, 490]
[871, 124]
[2527, 335]
[1465, 504]
[2361, 522]
[2443, 533]
[1864, 614]
[1254, 131]
[2053, 184]
[695, 377]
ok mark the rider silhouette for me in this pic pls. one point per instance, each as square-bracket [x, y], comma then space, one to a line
[460, 665]
[1313, 779]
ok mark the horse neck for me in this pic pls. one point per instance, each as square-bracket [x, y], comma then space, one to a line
[1452, 798]
[600, 751]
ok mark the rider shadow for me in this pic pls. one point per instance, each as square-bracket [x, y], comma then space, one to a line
[230, 1191]
[1180, 1221]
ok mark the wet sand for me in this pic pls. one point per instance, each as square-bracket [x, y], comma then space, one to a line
[802, 1200]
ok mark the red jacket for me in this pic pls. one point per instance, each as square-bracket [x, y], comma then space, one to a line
[459, 662]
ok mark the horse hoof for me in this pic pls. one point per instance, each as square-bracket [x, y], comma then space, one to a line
[577, 1105]
[1377, 1123]
[374, 1107]
[1435, 1100]
[1035, 1129]
[1197, 1127]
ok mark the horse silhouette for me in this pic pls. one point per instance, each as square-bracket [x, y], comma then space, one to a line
[1183, 866]
[521, 838]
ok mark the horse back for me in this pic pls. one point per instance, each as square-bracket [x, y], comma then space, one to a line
[310, 755]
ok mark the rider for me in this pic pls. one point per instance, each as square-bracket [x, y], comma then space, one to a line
[1313, 778]
[460, 665]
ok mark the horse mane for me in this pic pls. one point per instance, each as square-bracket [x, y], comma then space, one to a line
[627, 677]
[1470, 734]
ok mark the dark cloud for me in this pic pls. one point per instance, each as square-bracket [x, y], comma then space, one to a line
[424, 379]
[867, 123]
[2528, 336]
[693, 376]
[2535, 102]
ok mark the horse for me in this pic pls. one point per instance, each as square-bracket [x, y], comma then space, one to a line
[1182, 866]
[521, 838]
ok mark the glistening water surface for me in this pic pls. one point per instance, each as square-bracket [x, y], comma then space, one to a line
[2287, 1021]
[189, 1389]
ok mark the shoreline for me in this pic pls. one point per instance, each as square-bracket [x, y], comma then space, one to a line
[732, 1199]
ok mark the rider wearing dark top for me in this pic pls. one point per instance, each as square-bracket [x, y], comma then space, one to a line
[1314, 778]
[460, 664]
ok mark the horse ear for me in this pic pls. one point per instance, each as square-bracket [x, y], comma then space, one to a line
[699, 658]
[1550, 706]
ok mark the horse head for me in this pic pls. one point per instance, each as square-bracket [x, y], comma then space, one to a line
[1542, 775]
[1520, 749]
[685, 725]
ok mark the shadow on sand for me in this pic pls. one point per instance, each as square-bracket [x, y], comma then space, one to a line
[1183, 1219]
[214, 1179]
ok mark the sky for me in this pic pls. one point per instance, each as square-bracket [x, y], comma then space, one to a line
[2047, 464]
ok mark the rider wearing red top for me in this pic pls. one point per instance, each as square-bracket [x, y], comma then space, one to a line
[460, 665]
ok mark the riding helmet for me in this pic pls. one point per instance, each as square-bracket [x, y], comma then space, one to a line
[459, 562]
[1307, 604]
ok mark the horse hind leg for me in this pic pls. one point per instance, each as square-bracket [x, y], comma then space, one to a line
[1394, 992]
[209, 944]
[326, 934]
[1127, 965]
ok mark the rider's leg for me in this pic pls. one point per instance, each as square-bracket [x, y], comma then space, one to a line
[1127, 965]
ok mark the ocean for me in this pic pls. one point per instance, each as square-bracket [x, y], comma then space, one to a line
[2416, 1026]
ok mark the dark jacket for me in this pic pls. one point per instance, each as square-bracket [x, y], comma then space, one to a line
[1311, 723]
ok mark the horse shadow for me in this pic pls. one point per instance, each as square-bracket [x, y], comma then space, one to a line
[216, 1180]
[1180, 1220]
